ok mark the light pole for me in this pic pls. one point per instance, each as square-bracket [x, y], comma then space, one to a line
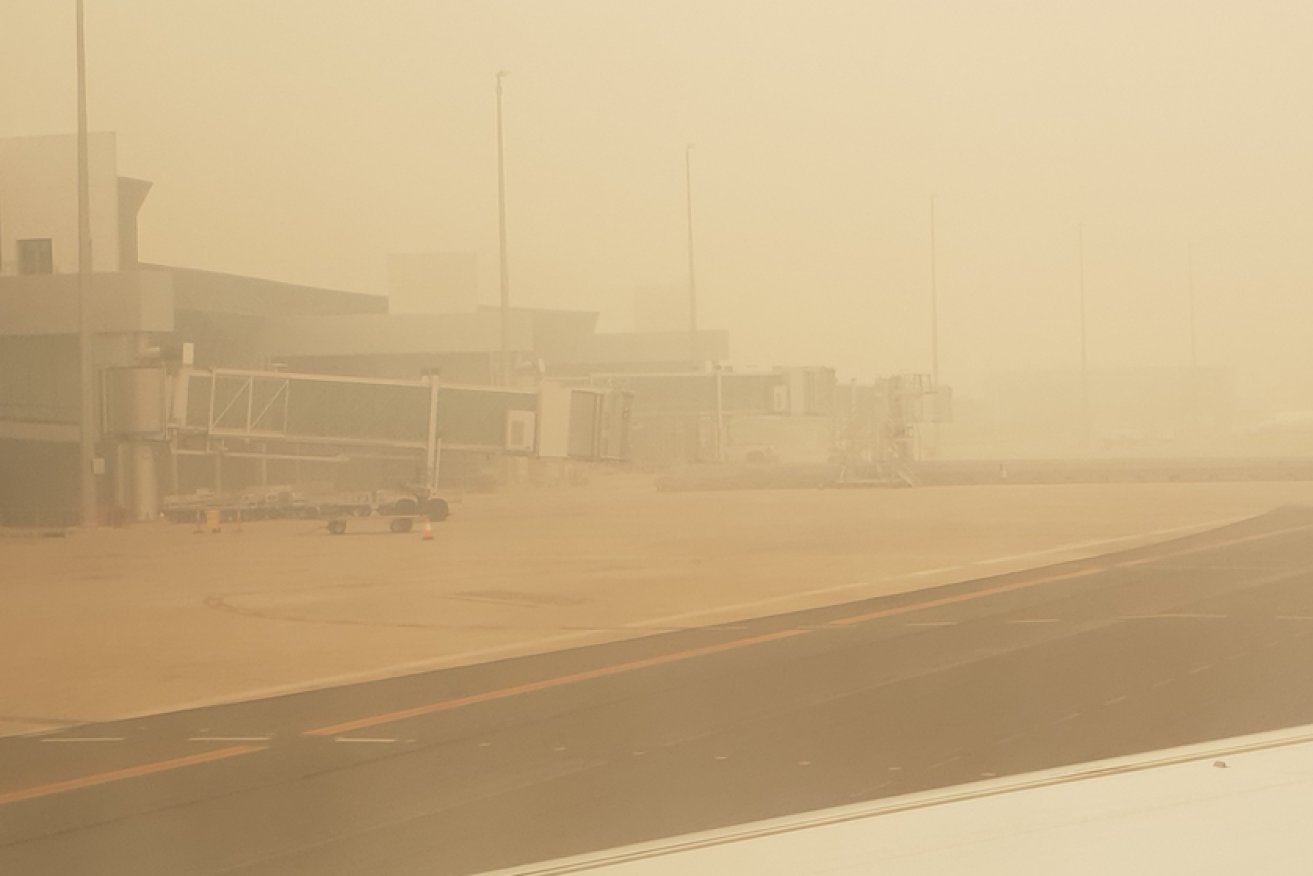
[934, 303]
[934, 330]
[1194, 356]
[86, 371]
[1084, 352]
[501, 227]
[1189, 269]
[692, 281]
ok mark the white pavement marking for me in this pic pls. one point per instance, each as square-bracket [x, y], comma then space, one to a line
[1199, 669]
[83, 739]
[1099, 542]
[375, 739]
[1174, 616]
[1115, 700]
[548, 643]
[227, 738]
[1163, 683]
[993, 561]
[925, 572]
[1072, 717]
[1035, 620]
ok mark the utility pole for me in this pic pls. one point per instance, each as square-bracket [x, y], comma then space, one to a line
[692, 281]
[1084, 352]
[934, 303]
[934, 332]
[1189, 267]
[86, 371]
[501, 226]
[1194, 356]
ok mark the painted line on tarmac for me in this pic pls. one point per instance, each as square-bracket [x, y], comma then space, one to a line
[1080, 573]
[227, 738]
[1130, 617]
[961, 567]
[966, 597]
[128, 773]
[551, 644]
[545, 684]
[559, 681]
[1216, 545]
[376, 740]
[488, 696]
[83, 739]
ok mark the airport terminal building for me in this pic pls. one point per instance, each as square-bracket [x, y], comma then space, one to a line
[230, 384]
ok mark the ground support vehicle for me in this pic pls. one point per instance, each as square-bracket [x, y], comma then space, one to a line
[401, 514]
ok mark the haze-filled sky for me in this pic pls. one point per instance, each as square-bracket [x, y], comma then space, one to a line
[305, 139]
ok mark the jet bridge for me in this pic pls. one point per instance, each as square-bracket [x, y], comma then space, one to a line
[224, 430]
[270, 415]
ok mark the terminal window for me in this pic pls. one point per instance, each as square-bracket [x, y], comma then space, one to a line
[34, 256]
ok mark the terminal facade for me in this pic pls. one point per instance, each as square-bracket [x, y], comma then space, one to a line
[232, 385]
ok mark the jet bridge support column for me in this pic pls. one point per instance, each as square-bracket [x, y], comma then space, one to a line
[433, 452]
[145, 487]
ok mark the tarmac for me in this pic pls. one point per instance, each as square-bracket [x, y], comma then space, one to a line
[111, 624]
[506, 763]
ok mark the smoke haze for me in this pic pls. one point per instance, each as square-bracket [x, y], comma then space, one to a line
[306, 140]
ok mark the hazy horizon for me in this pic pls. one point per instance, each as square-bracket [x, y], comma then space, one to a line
[305, 141]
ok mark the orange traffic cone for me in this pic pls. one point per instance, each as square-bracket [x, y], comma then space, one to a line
[428, 530]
